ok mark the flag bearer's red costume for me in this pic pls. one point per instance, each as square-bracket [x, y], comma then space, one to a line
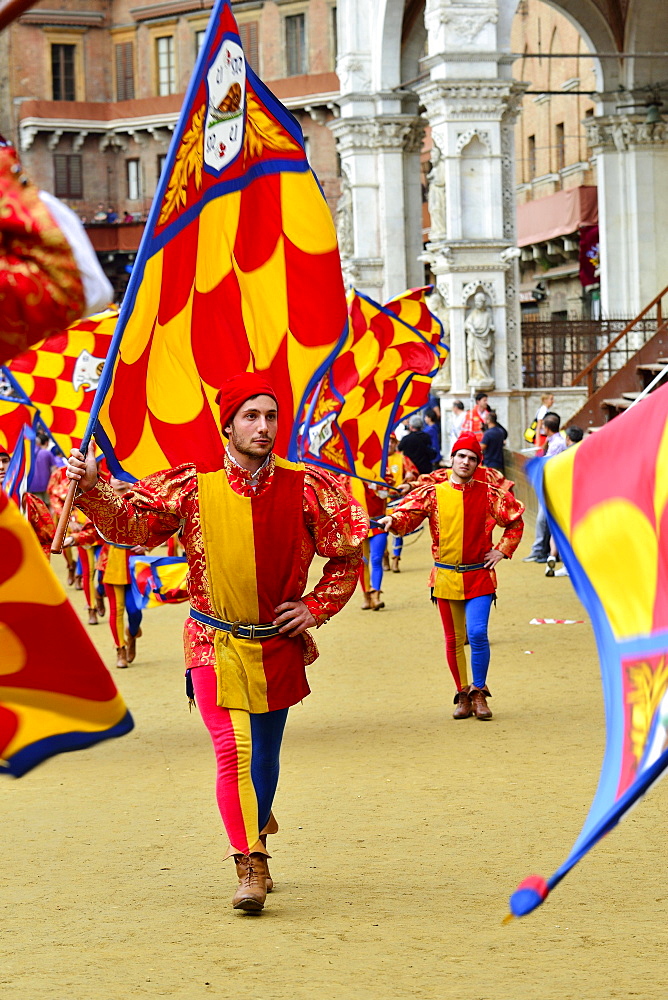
[461, 518]
[249, 540]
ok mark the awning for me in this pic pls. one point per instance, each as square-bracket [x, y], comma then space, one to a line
[556, 215]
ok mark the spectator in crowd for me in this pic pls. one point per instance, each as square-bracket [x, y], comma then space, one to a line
[473, 421]
[112, 215]
[432, 427]
[546, 404]
[100, 215]
[416, 445]
[45, 462]
[128, 217]
[555, 443]
[492, 443]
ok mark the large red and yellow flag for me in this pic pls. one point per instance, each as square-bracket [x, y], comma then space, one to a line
[607, 504]
[381, 373]
[57, 378]
[55, 692]
[238, 271]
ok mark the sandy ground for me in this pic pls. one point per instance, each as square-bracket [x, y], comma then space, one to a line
[403, 832]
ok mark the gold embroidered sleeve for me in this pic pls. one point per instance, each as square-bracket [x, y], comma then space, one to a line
[338, 526]
[148, 514]
[507, 511]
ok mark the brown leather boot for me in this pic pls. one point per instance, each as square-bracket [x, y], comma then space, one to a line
[252, 890]
[394, 564]
[78, 582]
[375, 601]
[121, 656]
[131, 644]
[479, 701]
[99, 605]
[464, 708]
[71, 573]
[367, 601]
[270, 881]
[386, 561]
[92, 616]
[271, 827]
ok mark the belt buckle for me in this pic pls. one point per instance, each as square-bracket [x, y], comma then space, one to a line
[235, 629]
[457, 568]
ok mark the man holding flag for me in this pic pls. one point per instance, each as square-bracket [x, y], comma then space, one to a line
[250, 530]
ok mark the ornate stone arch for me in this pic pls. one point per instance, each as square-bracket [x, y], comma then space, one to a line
[464, 138]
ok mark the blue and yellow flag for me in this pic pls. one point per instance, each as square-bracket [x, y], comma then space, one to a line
[380, 374]
[157, 580]
[238, 270]
[607, 505]
[55, 692]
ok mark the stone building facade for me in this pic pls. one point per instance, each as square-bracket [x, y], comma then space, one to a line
[91, 91]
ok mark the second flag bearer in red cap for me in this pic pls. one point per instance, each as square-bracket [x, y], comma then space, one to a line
[462, 513]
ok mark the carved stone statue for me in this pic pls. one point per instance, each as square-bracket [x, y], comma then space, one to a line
[436, 194]
[344, 218]
[479, 329]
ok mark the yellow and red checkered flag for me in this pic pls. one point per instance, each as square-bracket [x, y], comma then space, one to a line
[55, 692]
[15, 413]
[238, 270]
[380, 375]
[57, 378]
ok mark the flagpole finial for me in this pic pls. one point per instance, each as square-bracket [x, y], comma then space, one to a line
[528, 896]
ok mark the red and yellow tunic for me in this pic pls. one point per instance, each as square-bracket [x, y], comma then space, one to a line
[249, 542]
[40, 286]
[460, 519]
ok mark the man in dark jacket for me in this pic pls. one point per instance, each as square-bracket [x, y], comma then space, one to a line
[416, 445]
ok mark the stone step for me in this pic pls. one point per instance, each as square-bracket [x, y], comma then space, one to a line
[630, 395]
[618, 403]
[655, 369]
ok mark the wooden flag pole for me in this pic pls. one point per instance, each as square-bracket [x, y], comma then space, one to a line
[11, 9]
[64, 519]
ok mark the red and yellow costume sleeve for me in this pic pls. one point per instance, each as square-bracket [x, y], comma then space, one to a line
[461, 517]
[40, 521]
[40, 286]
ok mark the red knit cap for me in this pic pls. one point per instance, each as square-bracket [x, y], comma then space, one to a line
[234, 393]
[468, 442]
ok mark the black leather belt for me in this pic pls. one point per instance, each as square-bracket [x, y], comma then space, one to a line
[460, 567]
[240, 630]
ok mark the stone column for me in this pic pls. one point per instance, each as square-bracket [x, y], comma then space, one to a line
[379, 221]
[472, 124]
[632, 164]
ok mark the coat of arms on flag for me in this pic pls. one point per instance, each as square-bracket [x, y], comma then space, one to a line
[238, 271]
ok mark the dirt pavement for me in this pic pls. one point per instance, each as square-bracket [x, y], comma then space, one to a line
[403, 832]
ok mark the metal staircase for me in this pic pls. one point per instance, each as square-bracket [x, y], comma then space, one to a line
[625, 381]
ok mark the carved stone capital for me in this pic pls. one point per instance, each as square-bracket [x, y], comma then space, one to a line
[623, 132]
[491, 100]
[382, 134]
